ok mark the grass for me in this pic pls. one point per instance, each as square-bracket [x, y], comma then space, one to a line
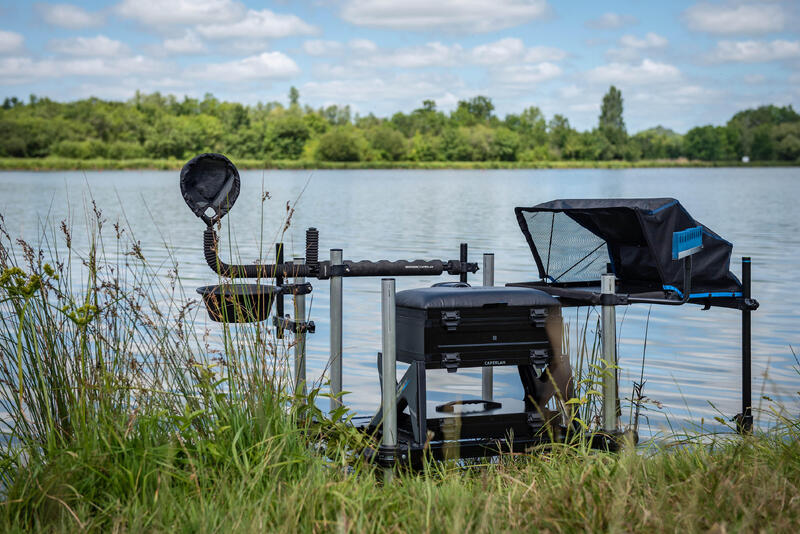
[56, 164]
[121, 415]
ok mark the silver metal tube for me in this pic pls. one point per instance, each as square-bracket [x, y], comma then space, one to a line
[300, 336]
[389, 371]
[335, 361]
[487, 373]
[609, 340]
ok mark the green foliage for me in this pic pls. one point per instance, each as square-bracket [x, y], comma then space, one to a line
[339, 144]
[286, 137]
[711, 143]
[388, 143]
[164, 127]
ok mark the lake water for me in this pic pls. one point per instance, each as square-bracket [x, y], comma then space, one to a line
[692, 361]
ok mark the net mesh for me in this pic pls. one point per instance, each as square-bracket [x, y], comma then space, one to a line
[569, 252]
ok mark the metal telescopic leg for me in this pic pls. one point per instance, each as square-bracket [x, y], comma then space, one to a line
[487, 373]
[746, 421]
[389, 397]
[609, 340]
[336, 331]
[300, 335]
[279, 282]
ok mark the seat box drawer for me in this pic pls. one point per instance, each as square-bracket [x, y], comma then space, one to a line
[490, 334]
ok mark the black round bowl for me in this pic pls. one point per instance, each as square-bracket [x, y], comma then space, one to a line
[238, 303]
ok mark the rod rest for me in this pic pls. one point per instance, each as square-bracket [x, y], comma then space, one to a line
[324, 270]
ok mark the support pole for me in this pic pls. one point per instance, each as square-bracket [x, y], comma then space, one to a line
[336, 331]
[609, 341]
[299, 335]
[389, 370]
[746, 420]
[487, 373]
[463, 259]
[279, 282]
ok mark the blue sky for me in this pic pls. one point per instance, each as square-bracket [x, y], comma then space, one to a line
[678, 64]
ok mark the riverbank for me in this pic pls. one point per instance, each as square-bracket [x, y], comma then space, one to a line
[62, 164]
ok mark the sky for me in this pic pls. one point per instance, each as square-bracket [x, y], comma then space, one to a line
[679, 64]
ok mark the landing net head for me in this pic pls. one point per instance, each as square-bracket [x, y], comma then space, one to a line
[210, 186]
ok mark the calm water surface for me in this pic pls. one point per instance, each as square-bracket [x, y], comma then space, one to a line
[692, 363]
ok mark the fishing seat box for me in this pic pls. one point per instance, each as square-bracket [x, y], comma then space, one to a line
[453, 327]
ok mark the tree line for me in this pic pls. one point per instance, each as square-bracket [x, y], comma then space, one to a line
[158, 126]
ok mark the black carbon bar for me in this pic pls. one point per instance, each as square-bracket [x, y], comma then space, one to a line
[463, 259]
[324, 271]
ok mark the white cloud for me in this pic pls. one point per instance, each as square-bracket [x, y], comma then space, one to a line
[403, 88]
[611, 21]
[428, 55]
[526, 75]
[735, 19]
[263, 24]
[362, 46]
[367, 56]
[755, 51]
[99, 46]
[322, 48]
[188, 44]
[500, 51]
[543, 53]
[754, 79]
[650, 40]
[317, 47]
[262, 66]
[10, 42]
[514, 50]
[647, 72]
[159, 13]
[17, 70]
[631, 47]
[68, 16]
[455, 16]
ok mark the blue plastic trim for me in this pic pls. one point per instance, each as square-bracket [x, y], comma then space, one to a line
[665, 206]
[675, 289]
[704, 295]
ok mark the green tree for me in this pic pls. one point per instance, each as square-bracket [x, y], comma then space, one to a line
[473, 111]
[294, 96]
[388, 143]
[339, 144]
[286, 137]
[559, 131]
[504, 145]
[611, 123]
[455, 145]
[423, 148]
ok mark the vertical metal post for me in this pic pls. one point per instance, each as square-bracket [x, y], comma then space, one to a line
[389, 370]
[487, 373]
[299, 334]
[609, 341]
[336, 331]
[463, 259]
[279, 282]
[746, 422]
